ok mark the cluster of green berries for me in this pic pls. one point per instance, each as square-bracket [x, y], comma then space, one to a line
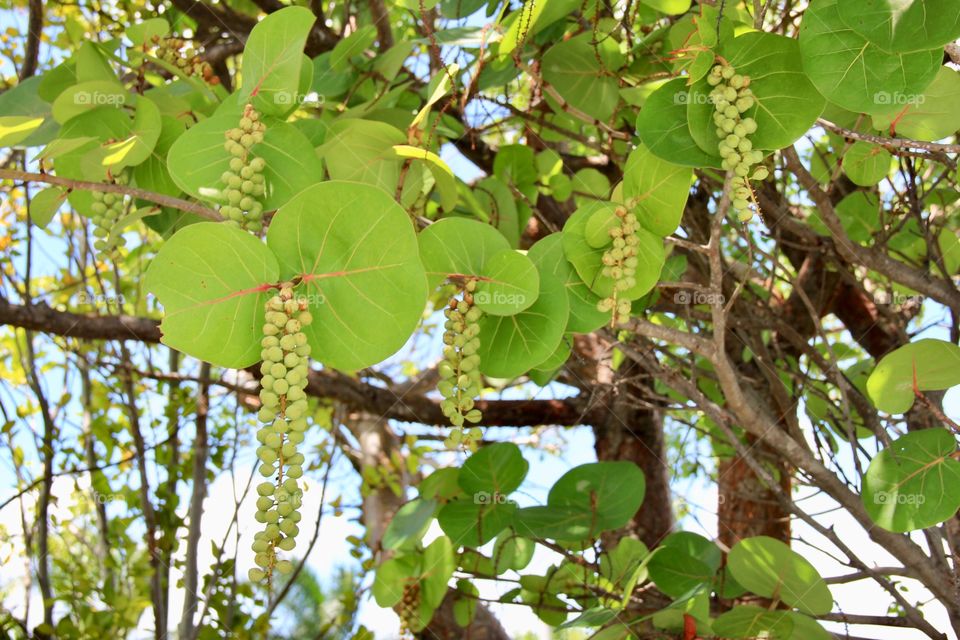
[285, 354]
[409, 608]
[620, 265]
[732, 97]
[107, 209]
[243, 181]
[460, 379]
[177, 53]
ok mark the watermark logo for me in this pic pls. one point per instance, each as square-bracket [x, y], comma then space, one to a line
[485, 497]
[107, 498]
[896, 298]
[310, 299]
[698, 297]
[499, 297]
[887, 497]
[101, 300]
[100, 98]
[692, 97]
[298, 99]
[897, 98]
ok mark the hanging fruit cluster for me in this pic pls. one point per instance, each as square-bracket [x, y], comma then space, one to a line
[243, 181]
[285, 354]
[178, 53]
[409, 608]
[460, 378]
[732, 98]
[108, 209]
[620, 265]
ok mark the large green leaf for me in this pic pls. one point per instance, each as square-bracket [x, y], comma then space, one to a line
[663, 127]
[138, 146]
[273, 58]
[787, 102]
[657, 189]
[611, 492]
[930, 364]
[493, 472]
[198, 159]
[512, 345]
[555, 522]
[472, 522]
[509, 284]
[903, 25]
[854, 73]
[915, 482]
[439, 563]
[769, 568]
[931, 116]
[583, 74]
[547, 254]
[86, 96]
[356, 252]
[213, 281]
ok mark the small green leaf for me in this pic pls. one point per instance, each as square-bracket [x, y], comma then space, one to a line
[509, 284]
[45, 204]
[915, 482]
[273, 57]
[512, 551]
[664, 129]
[866, 164]
[408, 524]
[458, 246]
[493, 472]
[390, 579]
[769, 568]
[931, 364]
[442, 174]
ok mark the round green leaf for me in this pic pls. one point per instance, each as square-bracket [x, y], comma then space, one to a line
[548, 255]
[509, 283]
[596, 231]
[139, 145]
[663, 127]
[493, 472]
[512, 345]
[902, 25]
[213, 281]
[931, 364]
[512, 551]
[866, 164]
[458, 246]
[930, 116]
[439, 563]
[656, 190]
[854, 73]
[696, 546]
[198, 158]
[391, 577]
[473, 524]
[769, 568]
[676, 572]
[611, 492]
[356, 253]
[915, 482]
